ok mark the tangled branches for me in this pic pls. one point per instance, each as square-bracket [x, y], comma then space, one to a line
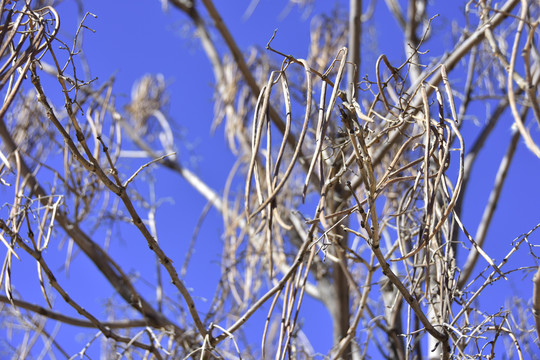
[351, 189]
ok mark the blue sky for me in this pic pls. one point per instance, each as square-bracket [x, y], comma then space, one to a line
[134, 38]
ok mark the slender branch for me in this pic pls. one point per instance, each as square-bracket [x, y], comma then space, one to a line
[120, 324]
[52, 280]
[489, 210]
[355, 46]
[536, 301]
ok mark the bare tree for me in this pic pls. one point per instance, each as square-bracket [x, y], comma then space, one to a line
[354, 173]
